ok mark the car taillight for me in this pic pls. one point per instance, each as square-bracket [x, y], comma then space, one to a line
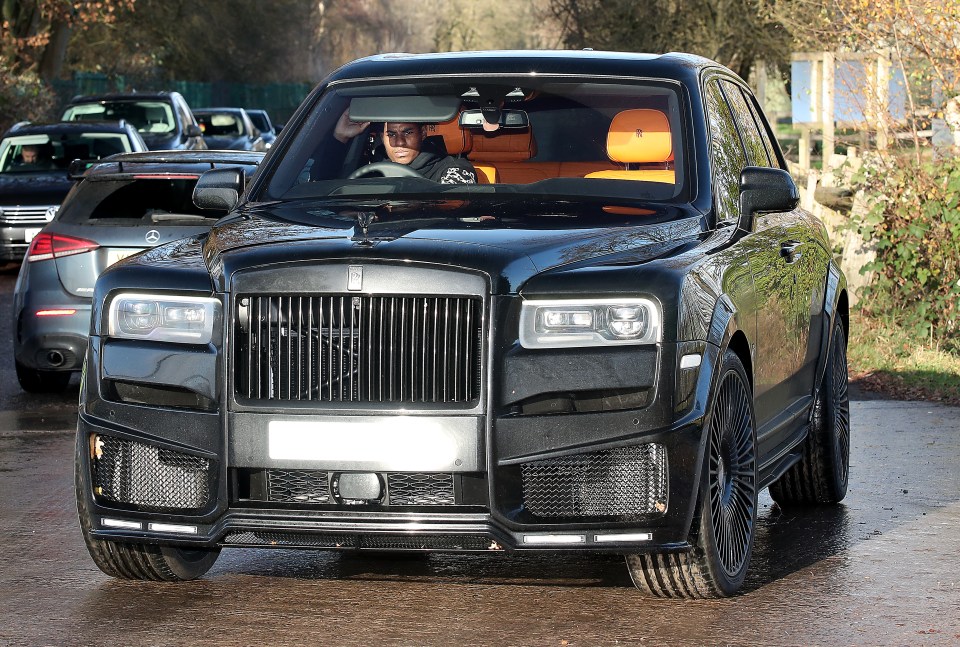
[45, 246]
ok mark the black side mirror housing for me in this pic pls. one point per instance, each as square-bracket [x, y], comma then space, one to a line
[219, 189]
[192, 130]
[77, 168]
[765, 190]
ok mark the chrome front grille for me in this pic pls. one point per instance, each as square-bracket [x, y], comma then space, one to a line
[358, 348]
[18, 215]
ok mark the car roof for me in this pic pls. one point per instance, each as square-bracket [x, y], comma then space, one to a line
[233, 109]
[122, 96]
[678, 66]
[67, 127]
[166, 162]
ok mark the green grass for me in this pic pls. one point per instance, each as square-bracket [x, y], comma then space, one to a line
[882, 357]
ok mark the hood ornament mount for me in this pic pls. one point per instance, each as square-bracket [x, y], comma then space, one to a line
[364, 220]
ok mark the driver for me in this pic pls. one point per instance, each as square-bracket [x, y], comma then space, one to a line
[406, 143]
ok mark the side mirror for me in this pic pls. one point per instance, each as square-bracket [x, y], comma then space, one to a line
[192, 130]
[77, 168]
[278, 128]
[764, 190]
[219, 189]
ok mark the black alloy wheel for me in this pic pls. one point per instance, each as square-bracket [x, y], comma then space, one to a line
[822, 474]
[723, 533]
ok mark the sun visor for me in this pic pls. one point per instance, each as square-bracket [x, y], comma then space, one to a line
[422, 109]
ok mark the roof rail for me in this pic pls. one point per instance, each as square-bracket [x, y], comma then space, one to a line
[20, 124]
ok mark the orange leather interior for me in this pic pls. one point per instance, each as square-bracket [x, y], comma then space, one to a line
[504, 146]
[640, 136]
[457, 140]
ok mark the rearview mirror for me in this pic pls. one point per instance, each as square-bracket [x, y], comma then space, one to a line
[219, 189]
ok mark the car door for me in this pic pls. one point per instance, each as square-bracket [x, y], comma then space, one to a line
[789, 293]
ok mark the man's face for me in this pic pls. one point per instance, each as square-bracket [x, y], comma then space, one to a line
[29, 154]
[402, 141]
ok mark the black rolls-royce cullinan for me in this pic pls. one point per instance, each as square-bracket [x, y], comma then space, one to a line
[487, 301]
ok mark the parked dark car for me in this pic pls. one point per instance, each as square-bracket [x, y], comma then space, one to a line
[264, 124]
[611, 344]
[34, 164]
[163, 118]
[229, 129]
[120, 207]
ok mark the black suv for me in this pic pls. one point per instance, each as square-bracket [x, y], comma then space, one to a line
[33, 172]
[491, 302]
[163, 118]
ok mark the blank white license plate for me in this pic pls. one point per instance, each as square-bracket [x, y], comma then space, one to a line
[28, 234]
[415, 443]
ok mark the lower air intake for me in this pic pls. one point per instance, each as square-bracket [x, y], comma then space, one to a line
[363, 542]
[625, 483]
[148, 477]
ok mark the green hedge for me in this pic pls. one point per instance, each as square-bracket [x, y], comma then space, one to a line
[914, 220]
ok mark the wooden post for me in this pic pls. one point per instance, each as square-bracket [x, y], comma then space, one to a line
[804, 146]
[882, 94]
[829, 140]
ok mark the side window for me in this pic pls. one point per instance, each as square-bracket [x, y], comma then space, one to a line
[726, 155]
[756, 150]
[764, 132]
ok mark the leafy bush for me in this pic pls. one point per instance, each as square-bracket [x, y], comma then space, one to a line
[22, 96]
[913, 217]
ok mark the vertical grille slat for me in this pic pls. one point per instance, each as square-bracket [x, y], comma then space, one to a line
[358, 348]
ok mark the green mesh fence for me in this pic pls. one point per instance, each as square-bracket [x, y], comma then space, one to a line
[280, 100]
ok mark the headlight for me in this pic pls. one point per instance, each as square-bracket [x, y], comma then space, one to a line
[594, 322]
[187, 320]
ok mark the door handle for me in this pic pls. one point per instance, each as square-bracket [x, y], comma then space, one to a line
[790, 250]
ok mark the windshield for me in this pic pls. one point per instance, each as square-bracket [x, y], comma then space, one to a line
[148, 117]
[543, 138]
[42, 152]
[219, 124]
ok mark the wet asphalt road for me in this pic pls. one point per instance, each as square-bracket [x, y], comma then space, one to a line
[881, 569]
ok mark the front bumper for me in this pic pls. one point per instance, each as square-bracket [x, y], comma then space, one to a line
[475, 519]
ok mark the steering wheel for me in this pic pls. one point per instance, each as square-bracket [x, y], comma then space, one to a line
[386, 169]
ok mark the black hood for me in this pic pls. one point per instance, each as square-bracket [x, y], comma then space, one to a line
[39, 188]
[508, 241]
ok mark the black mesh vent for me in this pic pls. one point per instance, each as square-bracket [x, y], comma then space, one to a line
[289, 539]
[369, 542]
[626, 483]
[149, 477]
[312, 487]
[358, 348]
[426, 542]
[297, 486]
[421, 489]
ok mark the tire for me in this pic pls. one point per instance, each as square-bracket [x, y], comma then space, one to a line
[822, 474]
[36, 381]
[724, 526]
[138, 561]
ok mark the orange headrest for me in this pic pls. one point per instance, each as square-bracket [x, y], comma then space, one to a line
[456, 139]
[504, 146]
[640, 136]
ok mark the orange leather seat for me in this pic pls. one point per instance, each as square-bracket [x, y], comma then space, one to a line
[459, 141]
[640, 136]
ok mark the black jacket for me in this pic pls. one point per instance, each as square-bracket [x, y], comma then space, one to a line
[434, 164]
